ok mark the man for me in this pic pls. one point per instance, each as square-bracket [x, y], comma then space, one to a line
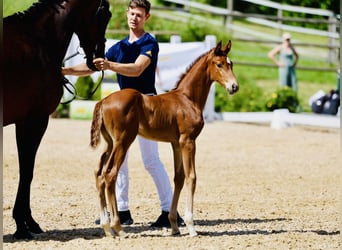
[134, 59]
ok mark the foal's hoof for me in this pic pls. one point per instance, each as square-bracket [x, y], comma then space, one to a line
[175, 232]
[122, 234]
[22, 235]
[192, 232]
[108, 230]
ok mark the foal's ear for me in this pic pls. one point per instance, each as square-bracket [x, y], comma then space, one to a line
[226, 48]
[218, 48]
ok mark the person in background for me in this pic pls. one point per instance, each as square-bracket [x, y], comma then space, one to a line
[286, 61]
[134, 59]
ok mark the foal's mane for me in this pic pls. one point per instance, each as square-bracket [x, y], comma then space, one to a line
[36, 9]
[190, 67]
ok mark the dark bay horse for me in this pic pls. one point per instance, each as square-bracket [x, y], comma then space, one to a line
[35, 43]
[174, 117]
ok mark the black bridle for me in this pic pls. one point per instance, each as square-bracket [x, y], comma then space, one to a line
[71, 87]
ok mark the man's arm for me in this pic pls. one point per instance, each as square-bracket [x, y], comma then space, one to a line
[78, 70]
[127, 69]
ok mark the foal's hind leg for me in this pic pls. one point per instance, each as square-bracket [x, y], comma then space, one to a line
[28, 134]
[116, 159]
[123, 138]
[188, 155]
[100, 185]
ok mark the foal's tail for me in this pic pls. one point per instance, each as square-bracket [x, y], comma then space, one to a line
[95, 132]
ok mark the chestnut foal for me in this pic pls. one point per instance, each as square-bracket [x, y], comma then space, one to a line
[174, 117]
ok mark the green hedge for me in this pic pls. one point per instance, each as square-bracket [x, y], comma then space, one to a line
[85, 87]
[251, 98]
[283, 97]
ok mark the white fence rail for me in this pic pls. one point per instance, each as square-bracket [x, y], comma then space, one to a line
[228, 14]
[291, 8]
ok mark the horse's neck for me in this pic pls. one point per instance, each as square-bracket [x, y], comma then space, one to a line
[54, 30]
[63, 33]
[196, 84]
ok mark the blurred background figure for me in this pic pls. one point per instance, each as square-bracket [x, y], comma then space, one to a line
[286, 61]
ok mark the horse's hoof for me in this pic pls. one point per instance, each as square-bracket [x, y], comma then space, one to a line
[34, 228]
[22, 235]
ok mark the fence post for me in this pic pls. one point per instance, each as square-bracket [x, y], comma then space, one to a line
[331, 40]
[230, 7]
[186, 7]
[209, 108]
[280, 21]
[175, 39]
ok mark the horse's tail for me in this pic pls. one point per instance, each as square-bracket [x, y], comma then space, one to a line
[95, 132]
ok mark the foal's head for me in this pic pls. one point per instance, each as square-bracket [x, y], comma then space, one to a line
[221, 67]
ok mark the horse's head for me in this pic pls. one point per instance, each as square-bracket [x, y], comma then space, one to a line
[91, 29]
[221, 68]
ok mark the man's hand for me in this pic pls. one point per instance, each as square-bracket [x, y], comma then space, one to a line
[101, 63]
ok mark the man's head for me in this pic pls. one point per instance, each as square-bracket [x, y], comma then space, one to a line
[138, 13]
[141, 4]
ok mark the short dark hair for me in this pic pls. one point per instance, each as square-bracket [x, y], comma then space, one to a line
[140, 3]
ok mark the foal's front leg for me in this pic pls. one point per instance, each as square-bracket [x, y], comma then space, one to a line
[188, 153]
[179, 182]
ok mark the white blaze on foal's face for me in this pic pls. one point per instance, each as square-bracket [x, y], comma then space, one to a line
[232, 85]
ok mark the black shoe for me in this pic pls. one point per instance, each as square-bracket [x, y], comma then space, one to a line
[125, 218]
[163, 221]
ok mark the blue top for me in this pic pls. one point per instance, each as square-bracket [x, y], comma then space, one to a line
[126, 52]
[287, 57]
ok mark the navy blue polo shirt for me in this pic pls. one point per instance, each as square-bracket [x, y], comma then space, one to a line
[126, 52]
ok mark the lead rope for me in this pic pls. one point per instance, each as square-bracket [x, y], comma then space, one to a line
[71, 88]
[73, 91]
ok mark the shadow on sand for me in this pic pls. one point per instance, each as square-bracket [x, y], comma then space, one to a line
[65, 235]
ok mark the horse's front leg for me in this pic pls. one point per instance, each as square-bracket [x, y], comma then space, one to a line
[28, 135]
[188, 153]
